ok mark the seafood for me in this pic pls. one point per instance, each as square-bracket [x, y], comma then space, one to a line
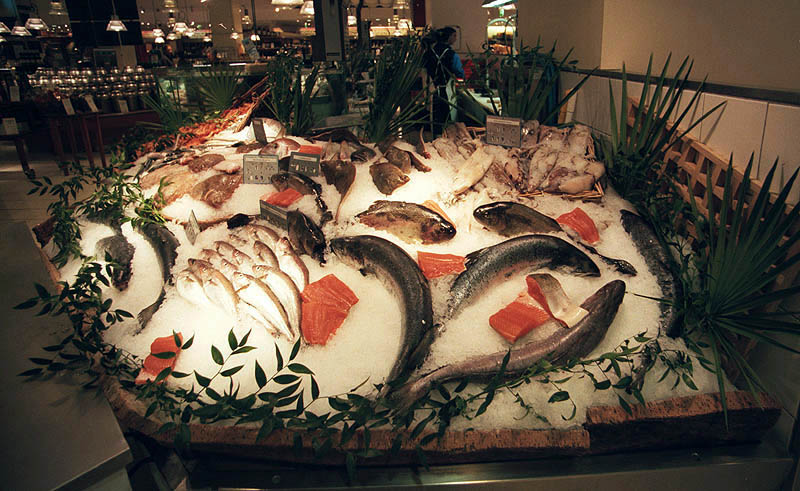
[508, 219]
[422, 147]
[203, 162]
[180, 184]
[408, 221]
[117, 248]
[446, 149]
[338, 135]
[249, 147]
[227, 268]
[291, 264]
[523, 253]
[165, 244]
[326, 304]
[231, 166]
[620, 265]
[518, 318]
[224, 248]
[341, 174]
[285, 290]
[472, 171]
[305, 185]
[238, 220]
[659, 263]
[265, 254]
[210, 255]
[305, 236]
[217, 287]
[436, 265]
[281, 147]
[398, 158]
[216, 189]
[190, 287]
[362, 154]
[563, 344]
[379, 257]
[258, 295]
[154, 177]
[387, 177]
[580, 224]
[547, 290]
[265, 234]
[154, 365]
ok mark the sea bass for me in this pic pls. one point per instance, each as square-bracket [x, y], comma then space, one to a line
[284, 288]
[291, 264]
[216, 286]
[120, 251]
[658, 261]
[265, 254]
[190, 287]
[165, 244]
[305, 236]
[560, 346]
[520, 254]
[393, 266]
[256, 293]
[508, 219]
[408, 221]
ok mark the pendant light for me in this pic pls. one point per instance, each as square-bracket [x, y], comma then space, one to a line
[400, 4]
[170, 4]
[496, 3]
[255, 37]
[57, 8]
[159, 40]
[157, 32]
[351, 20]
[116, 25]
[190, 32]
[36, 24]
[246, 20]
[235, 35]
[307, 8]
[180, 27]
[287, 3]
[19, 30]
[206, 38]
[172, 36]
[4, 28]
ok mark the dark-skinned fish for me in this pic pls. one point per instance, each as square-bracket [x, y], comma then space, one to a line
[387, 177]
[304, 185]
[340, 174]
[395, 268]
[560, 346]
[525, 253]
[117, 248]
[165, 244]
[305, 236]
[408, 221]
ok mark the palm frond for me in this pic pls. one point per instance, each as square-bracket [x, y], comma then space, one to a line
[219, 88]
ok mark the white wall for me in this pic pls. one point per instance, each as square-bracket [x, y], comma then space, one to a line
[467, 15]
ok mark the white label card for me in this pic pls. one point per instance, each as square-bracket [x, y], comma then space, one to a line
[13, 92]
[257, 169]
[192, 228]
[503, 131]
[67, 102]
[258, 130]
[10, 126]
[304, 163]
[273, 215]
[123, 105]
[90, 102]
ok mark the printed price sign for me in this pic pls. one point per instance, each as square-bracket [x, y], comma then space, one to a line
[304, 163]
[10, 126]
[192, 228]
[90, 102]
[273, 215]
[123, 105]
[258, 130]
[503, 131]
[257, 169]
[13, 92]
[67, 102]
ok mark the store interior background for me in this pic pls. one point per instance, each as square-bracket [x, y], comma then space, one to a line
[737, 43]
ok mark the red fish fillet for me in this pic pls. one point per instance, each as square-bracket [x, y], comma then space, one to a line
[330, 290]
[154, 365]
[326, 304]
[518, 319]
[580, 222]
[315, 149]
[284, 198]
[436, 265]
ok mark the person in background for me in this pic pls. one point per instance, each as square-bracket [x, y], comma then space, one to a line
[443, 66]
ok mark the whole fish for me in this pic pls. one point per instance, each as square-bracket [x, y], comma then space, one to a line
[264, 234]
[225, 249]
[472, 171]
[291, 264]
[408, 221]
[190, 287]
[216, 286]
[395, 268]
[242, 260]
[620, 265]
[398, 158]
[520, 254]
[560, 346]
[256, 293]
[117, 248]
[659, 263]
[387, 177]
[249, 147]
[304, 185]
[227, 268]
[210, 255]
[341, 174]
[284, 288]
[165, 244]
[217, 189]
[508, 219]
[281, 147]
[265, 254]
[362, 154]
[338, 135]
[305, 236]
[203, 162]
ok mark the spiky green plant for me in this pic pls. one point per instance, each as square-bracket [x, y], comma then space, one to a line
[391, 109]
[743, 249]
[288, 99]
[630, 156]
[218, 88]
[171, 113]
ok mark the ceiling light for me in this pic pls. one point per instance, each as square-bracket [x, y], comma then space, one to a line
[20, 31]
[246, 20]
[57, 8]
[496, 3]
[169, 4]
[307, 8]
[36, 24]
[180, 27]
[206, 38]
[4, 28]
[255, 37]
[287, 3]
[351, 20]
[172, 36]
[158, 32]
[116, 25]
[190, 32]
[159, 40]
[235, 35]
[400, 4]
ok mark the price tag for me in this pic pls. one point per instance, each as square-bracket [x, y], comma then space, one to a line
[67, 102]
[273, 215]
[257, 169]
[304, 163]
[10, 126]
[192, 228]
[90, 102]
[13, 92]
[123, 105]
[503, 131]
[259, 130]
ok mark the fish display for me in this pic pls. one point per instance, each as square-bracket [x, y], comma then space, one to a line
[190, 287]
[408, 221]
[563, 344]
[216, 286]
[362, 154]
[658, 262]
[217, 189]
[249, 147]
[165, 245]
[379, 257]
[305, 236]
[117, 248]
[285, 290]
[508, 219]
[203, 162]
[291, 264]
[281, 147]
[398, 158]
[154, 177]
[326, 304]
[520, 254]
[387, 177]
[340, 174]
[261, 297]
[304, 185]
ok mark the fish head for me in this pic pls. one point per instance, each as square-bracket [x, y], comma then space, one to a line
[492, 215]
[240, 280]
[350, 250]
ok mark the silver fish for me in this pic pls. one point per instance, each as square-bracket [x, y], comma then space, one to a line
[242, 260]
[260, 296]
[210, 255]
[284, 288]
[264, 234]
[265, 254]
[562, 345]
[520, 254]
[217, 287]
[190, 287]
[227, 268]
[224, 248]
[393, 266]
[291, 264]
